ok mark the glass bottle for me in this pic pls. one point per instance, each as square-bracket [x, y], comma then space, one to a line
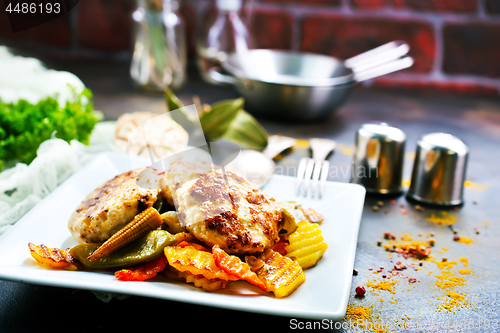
[226, 34]
[160, 55]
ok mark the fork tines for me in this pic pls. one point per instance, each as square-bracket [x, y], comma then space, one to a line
[310, 174]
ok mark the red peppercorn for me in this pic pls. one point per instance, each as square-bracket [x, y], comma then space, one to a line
[360, 290]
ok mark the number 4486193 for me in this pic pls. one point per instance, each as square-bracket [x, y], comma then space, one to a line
[33, 8]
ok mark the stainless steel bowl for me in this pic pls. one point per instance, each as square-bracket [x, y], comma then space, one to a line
[297, 86]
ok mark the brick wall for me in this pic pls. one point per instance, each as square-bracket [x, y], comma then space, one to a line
[455, 43]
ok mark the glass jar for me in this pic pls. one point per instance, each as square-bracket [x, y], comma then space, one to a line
[160, 55]
[224, 35]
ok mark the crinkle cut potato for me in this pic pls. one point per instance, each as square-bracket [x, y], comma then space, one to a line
[224, 229]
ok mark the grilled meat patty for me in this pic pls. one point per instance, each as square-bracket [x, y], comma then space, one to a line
[109, 208]
[227, 211]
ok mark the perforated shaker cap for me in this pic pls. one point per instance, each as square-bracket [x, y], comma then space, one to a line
[229, 5]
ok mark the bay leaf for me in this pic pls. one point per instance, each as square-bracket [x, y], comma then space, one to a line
[219, 119]
[182, 116]
[246, 131]
[172, 101]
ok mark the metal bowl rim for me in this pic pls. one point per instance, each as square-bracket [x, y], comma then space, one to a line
[311, 83]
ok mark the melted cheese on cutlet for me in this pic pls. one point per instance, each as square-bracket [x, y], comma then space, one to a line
[233, 214]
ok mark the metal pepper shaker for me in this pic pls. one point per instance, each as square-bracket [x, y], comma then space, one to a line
[439, 170]
[378, 160]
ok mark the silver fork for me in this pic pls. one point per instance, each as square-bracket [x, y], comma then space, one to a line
[314, 169]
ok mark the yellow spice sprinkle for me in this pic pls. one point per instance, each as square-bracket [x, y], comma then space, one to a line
[445, 264]
[383, 285]
[442, 220]
[406, 238]
[347, 151]
[465, 240]
[464, 271]
[474, 185]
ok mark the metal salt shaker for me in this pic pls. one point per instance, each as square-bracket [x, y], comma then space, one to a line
[439, 170]
[378, 160]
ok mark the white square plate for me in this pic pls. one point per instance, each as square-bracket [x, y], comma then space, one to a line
[323, 295]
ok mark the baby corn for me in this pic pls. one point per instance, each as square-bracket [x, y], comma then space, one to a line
[142, 223]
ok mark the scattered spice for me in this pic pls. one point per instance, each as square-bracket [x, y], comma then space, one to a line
[444, 219]
[362, 317]
[383, 285]
[465, 240]
[418, 208]
[355, 272]
[448, 281]
[360, 291]
[388, 235]
[416, 249]
[474, 186]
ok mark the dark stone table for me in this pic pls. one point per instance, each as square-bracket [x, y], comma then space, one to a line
[413, 307]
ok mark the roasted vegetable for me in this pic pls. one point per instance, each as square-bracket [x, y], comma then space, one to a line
[143, 249]
[280, 246]
[142, 223]
[171, 220]
[198, 280]
[196, 262]
[289, 223]
[294, 209]
[234, 266]
[312, 215]
[143, 271]
[195, 245]
[254, 263]
[306, 245]
[280, 274]
[53, 257]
